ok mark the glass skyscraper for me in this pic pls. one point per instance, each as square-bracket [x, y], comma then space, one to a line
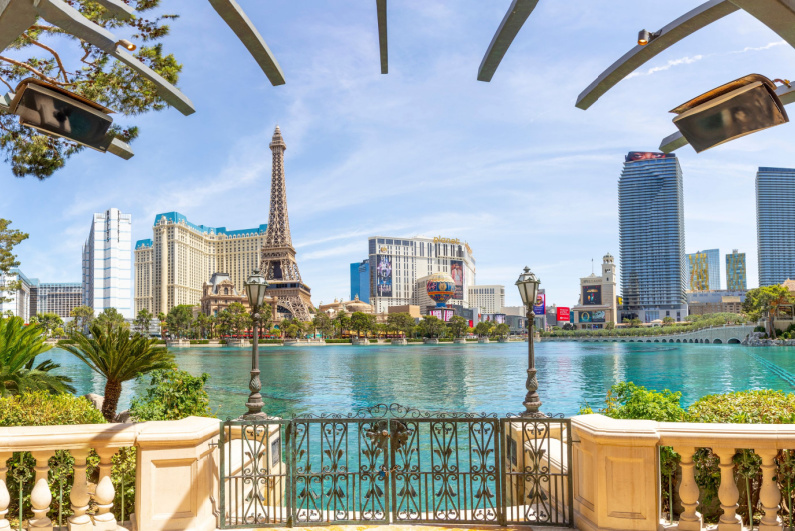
[652, 237]
[735, 271]
[107, 263]
[703, 270]
[360, 280]
[775, 224]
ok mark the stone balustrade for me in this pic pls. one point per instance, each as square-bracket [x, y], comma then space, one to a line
[617, 471]
[175, 471]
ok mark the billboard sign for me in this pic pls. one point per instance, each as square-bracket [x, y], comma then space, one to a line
[592, 317]
[457, 272]
[564, 314]
[632, 156]
[591, 295]
[383, 276]
[540, 307]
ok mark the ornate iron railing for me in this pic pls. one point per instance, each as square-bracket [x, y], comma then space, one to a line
[395, 464]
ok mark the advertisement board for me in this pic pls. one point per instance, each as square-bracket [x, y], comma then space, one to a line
[540, 307]
[647, 155]
[592, 317]
[564, 314]
[457, 272]
[383, 276]
[591, 295]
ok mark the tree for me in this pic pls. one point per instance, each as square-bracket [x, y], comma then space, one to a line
[322, 322]
[483, 329]
[343, 322]
[458, 326]
[179, 320]
[202, 322]
[112, 353]
[766, 301]
[432, 326]
[19, 346]
[112, 317]
[82, 318]
[502, 330]
[240, 320]
[8, 239]
[610, 325]
[143, 320]
[401, 321]
[48, 321]
[161, 317]
[173, 395]
[668, 320]
[57, 57]
[362, 322]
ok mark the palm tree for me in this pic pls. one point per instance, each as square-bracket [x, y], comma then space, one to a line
[19, 346]
[162, 318]
[118, 357]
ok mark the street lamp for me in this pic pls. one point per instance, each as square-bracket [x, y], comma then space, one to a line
[528, 289]
[256, 285]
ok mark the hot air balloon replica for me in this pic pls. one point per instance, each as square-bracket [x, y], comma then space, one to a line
[441, 288]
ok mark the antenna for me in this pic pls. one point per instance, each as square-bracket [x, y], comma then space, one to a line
[592, 270]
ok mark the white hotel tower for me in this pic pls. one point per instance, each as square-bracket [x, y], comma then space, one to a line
[107, 263]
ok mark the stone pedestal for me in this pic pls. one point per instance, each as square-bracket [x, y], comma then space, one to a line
[431, 341]
[460, 341]
[400, 341]
[360, 341]
[483, 340]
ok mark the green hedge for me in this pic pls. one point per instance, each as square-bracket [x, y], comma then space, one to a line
[338, 341]
[271, 341]
[65, 342]
[199, 341]
[43, 409]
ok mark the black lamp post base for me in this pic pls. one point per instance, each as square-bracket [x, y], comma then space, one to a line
[532, 411]
[261, 415]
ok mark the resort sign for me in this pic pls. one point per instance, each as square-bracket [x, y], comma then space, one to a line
[439, 239]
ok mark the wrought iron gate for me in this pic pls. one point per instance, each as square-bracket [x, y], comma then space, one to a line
[395, 464]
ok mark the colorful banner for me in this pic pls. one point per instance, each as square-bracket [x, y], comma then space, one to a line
[457, 272]
[540, 307]
[383, 276]
[592, 317]
[591, 295]
[647, 155]
[564, 314]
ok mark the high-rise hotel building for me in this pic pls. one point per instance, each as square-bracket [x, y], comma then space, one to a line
[775, 224]
[652, 237]
[171, 268]
[397, 263]
[107, 263]
[703, 270]
[735, 271]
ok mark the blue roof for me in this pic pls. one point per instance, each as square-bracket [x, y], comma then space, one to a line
[176, 217]
[143, 243]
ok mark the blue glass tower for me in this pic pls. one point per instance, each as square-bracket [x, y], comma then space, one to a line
[652, 237]
[775, 224]
[360, 280]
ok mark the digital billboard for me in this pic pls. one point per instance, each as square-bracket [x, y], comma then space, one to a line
[564, 314]
[540, 307]
[457, 272]
[632, 156]
[592, 317]
[591, 295]
[383, 276]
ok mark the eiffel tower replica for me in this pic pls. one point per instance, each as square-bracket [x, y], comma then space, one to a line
[277, 261]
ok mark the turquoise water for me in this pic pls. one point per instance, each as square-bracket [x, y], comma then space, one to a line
[476, 378]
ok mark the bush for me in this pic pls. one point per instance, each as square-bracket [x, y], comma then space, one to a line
[64, 342]
[173, 395]
[338, 341]
[43, 409]
[745, 407]
[270, 341]
[629, 401]
[199, 341]
[759, 329]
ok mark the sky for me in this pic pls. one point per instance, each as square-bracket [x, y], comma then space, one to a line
[510, 166]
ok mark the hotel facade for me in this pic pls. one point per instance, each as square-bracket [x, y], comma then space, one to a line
[107, 263]
[396, 264]
[172, 267]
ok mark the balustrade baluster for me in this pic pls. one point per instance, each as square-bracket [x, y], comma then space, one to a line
[769, 494]
[104, 520]
[5, 497]
[690, 519]
[728, 494]
[40, 497]
[79, 496]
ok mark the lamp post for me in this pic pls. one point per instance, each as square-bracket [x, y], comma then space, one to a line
[255, 291]
[528, 289]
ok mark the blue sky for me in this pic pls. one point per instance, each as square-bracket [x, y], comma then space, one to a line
[510, 166]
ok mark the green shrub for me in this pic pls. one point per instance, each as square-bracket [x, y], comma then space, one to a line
[338, 341]
[173, 395]
[745, 407]
[43, 409]
[64, 342]
[270, 341]
[760, 329]
[199, 341]
[629, 401]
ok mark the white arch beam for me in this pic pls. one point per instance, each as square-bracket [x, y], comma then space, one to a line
[241, 25]
[672, 33]
[117, 9]
[509, 27]
[676, 140]
[382, 40]
[778, 15]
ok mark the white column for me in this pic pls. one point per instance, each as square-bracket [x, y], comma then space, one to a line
[104, 520]
[40, 497]
[5, 497]
[690, 519]
[728, 493]
[769, 495]
[79, 497]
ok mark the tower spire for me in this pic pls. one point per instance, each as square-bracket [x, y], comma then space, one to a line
[278, 234]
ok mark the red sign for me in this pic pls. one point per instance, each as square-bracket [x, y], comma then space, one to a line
[564, 314]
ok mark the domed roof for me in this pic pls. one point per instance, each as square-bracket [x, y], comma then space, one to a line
[357, 305]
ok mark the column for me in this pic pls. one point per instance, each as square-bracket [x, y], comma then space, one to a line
[79, 497]
[104, 520]
[728, 493]
[5, 497]
[40, 497]
[690, 519]
[769, 494]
